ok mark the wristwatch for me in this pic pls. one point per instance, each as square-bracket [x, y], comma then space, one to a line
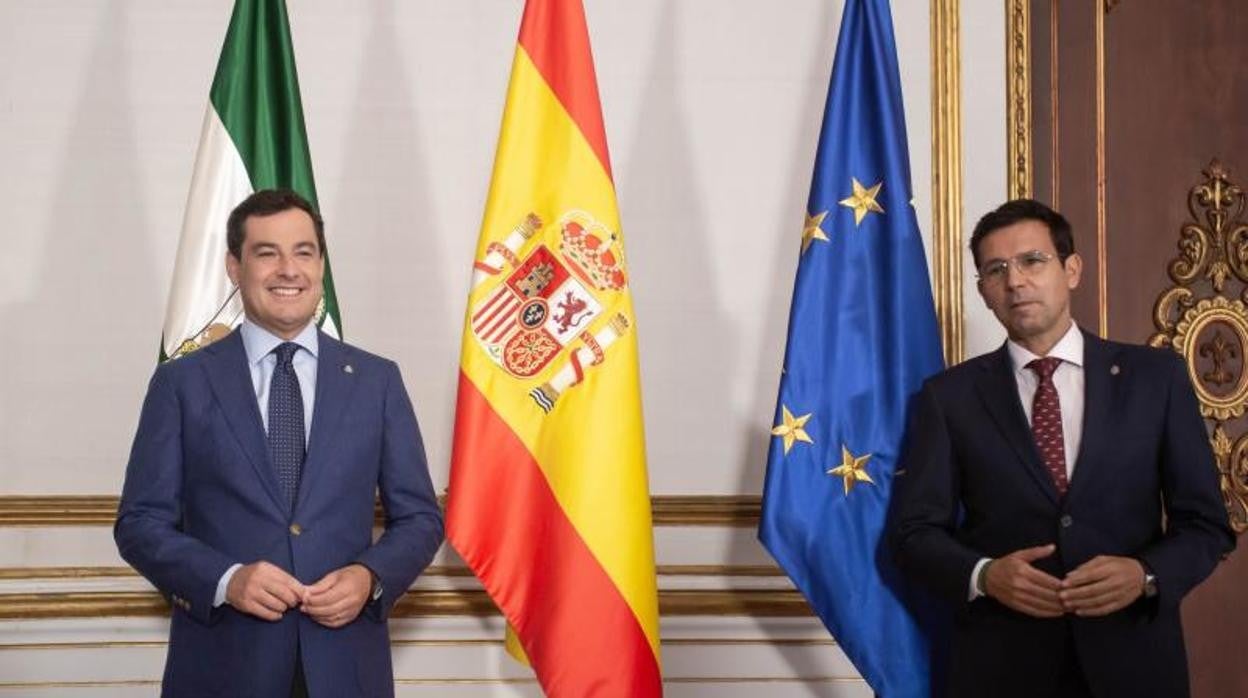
[376, 591]
[1150, 585]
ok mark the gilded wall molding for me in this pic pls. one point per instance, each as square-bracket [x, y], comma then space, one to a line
[101, 510]
[415, 603]
[1203, 317]
[1102, 203]
[438, 571]
[947, 177]
[456, 681]
[1018, 98]
[58, 510]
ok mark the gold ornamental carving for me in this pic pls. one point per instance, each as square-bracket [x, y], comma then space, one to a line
[947, 251]
[1204, 318]
[1018, 97]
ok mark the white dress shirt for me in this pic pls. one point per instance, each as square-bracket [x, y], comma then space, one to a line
[1069, 381]
[259, 344]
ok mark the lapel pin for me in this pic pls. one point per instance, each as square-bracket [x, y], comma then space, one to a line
[347, 369]
[1114, 370]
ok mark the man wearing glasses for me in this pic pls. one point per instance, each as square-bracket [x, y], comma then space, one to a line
[1059, 492]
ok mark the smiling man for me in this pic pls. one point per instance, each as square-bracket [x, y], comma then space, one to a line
[1060, 493]
[249, 496]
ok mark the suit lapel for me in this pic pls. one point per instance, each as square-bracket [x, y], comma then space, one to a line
[335, 381]
[230, 378]
[999, 391]
[1097, 391]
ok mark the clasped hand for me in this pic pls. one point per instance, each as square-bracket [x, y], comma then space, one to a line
[266, 591]
[1098, 587]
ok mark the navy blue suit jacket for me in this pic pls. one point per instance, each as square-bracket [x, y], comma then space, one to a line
[200, 494]
[974, 485]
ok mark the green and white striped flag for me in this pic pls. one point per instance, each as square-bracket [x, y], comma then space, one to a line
[253, 138]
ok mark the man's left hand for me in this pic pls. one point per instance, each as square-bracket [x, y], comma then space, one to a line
[337, 598]
[1102, 585]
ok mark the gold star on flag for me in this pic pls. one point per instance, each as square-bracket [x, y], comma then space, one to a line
[863, 200]
[811, 231]
[852, 469]
[791, 429]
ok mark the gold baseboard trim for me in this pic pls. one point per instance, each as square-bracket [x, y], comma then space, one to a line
[417, 603]
[445, 571]
[124, 683]
[455, 681]
[9, 573]
[54, 510]
[479, 642]
[100, 510]
[706, 510]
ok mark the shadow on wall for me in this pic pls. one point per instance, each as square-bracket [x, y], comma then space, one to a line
[686, 333]
[384, 212]
[70, 350]
[756, 437]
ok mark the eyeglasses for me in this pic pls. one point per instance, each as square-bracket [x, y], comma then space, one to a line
[1028, 264]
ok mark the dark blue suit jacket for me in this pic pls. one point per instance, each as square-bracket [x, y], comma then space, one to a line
[201, 494]
[974, 485]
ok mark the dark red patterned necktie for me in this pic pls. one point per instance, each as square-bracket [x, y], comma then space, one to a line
[1046, 422]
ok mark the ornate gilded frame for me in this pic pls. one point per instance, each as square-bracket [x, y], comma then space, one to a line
[1203, 317]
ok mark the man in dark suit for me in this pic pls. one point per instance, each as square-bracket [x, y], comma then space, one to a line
[1060, 493]
[249, 496]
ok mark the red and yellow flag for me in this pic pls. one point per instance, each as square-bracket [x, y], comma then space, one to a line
[548, 498]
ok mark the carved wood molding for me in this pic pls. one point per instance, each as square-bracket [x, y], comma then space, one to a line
[1018, 97]
[416, 603]
[947, 176]
[1203, 317]
[100, 510]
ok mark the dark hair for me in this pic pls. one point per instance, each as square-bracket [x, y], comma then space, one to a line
[267, 202]
[1019, 210]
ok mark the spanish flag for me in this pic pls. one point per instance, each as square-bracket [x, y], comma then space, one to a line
[548, 500]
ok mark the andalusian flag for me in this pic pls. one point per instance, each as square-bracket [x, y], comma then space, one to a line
[548, 498]
[253, 138]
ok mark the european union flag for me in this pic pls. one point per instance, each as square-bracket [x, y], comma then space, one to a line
[862, 338]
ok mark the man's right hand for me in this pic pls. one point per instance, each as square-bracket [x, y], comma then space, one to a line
[1014, 582]
[263, 590]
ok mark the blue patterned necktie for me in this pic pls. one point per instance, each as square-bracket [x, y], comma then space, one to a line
[286, 433]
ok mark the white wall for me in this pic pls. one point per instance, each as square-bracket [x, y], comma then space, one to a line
[712, 111]
[984, 135]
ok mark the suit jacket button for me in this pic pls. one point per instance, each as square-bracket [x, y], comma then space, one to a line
[295, 529]
[1067, 521]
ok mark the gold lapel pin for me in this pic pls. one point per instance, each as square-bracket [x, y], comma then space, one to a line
[1114, 370]
[347, 369]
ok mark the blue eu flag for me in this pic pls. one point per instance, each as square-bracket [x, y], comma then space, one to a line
[862, 338]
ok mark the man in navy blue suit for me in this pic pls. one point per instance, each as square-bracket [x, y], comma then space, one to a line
[1060, 493]
[249, 495]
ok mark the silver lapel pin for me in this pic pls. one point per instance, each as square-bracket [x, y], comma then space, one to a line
[1114, 370]
[347, 369]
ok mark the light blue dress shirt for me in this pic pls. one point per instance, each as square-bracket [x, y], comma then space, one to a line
[259, 344]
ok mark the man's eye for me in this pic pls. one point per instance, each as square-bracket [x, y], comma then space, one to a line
[265, 253]
[995, 270]
[1032, 261]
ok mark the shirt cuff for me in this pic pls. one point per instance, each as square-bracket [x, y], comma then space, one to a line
[222, 584]
[973, 590]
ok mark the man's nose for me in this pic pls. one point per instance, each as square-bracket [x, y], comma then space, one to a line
[1013, 276]
[287, 267]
